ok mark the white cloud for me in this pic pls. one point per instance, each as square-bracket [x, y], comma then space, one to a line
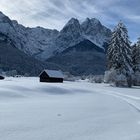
[48, 13]
[134, 18]
[55, 13]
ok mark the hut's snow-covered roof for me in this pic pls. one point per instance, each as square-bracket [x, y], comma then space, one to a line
[54, 73]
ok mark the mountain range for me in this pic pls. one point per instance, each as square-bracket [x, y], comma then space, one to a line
[78, 48]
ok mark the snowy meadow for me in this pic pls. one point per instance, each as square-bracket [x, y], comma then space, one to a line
[80, 110]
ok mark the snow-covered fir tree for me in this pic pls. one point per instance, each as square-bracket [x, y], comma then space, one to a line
[136, 56]
[136, 62]
[119, 55]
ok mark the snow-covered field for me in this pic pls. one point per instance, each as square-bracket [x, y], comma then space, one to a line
[30, 110]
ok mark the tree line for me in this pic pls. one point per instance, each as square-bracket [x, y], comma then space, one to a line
[123, 59]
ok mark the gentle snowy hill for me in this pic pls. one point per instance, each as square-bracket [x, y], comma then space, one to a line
[68, 111]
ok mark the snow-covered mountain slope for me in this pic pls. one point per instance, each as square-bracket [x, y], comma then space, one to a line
[44, 43]
[34, 40]
[11, 58]
[84, 58]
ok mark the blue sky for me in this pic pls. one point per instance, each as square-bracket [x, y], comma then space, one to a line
[55, 13]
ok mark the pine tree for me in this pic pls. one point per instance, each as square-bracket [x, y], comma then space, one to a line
[119, 53]
[136, 62]
[136, 56]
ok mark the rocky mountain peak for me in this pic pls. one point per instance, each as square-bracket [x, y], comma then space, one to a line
[95, 21]
[89, 24]
[94, 31]
[73, 21]
[4, 19]
[72, 26]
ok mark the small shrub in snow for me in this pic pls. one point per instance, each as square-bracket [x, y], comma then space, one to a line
[90, 78]
[26, 75]
[99, 79]
[118, 79]
[84, 77]
[69, 77]
[136, 79]
[121, 81]
[96, 79]
[110, 76]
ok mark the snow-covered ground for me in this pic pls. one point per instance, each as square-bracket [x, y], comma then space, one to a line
[30, 110]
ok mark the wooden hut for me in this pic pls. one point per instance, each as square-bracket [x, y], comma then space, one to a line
[52, 76]
[1, 77]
